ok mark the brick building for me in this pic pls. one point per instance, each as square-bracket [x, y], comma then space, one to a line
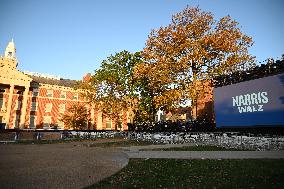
[204, 101]
[36, 101]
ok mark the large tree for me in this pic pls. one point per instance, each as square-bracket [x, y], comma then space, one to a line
[112, 88]
[191, 50]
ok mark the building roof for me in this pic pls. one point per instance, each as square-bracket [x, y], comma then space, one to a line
[61, 82]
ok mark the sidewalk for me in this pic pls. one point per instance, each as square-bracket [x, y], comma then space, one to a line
[134, 152]
[157, 146]
[207, 154]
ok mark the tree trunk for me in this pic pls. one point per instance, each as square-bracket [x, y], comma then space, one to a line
[194, 75]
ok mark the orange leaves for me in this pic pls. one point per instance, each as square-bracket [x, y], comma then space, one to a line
[168, 98]
[193, 47]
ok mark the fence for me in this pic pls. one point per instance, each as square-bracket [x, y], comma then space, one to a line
[13, 136]
[227, 140]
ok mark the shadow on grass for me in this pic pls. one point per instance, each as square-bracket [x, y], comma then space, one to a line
[171, 173]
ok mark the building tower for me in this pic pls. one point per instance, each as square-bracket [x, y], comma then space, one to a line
[10, 53]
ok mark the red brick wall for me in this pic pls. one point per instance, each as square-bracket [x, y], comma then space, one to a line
[42, 100]
[205, 102]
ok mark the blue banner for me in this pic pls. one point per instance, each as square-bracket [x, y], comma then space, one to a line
[258, 102]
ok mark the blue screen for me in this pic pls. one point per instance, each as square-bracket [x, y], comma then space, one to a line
[258, 102]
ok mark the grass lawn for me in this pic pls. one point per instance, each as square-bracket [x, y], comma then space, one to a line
[171, 173]
[122, 143]
[194, 148]
[110, 142]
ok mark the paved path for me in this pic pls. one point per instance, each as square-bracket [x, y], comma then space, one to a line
[207, 154]
[134, 152]
[157, 146]
[77, 164]
[68, 165]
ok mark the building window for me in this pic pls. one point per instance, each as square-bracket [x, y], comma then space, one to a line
[49, 93]
[35, 92]
[34, 106]
[20, 92]
[32, 121]
[18, 105]
[60, 123]
[48, 107]
[2, 105]
[108, 123]
[75, 96]
[86, 124]
[46, 122]
[128, 117]
[63, 94]
[2, 90]
[61, 108]
[17, 118]
[119, 124]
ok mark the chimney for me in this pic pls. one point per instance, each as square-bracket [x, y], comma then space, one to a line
[87, 77]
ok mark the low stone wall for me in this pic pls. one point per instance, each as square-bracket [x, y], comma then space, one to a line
[50, 136]
[30, 135]
[26, 136]
[7, 136]
[14, 135]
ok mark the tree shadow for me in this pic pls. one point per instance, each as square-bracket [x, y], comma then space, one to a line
[281, 77]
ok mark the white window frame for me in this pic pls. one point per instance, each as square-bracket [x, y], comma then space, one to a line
[48, 107]
[61, 108]
[60, 123]
[75, 96]
[36, 104]
[49, 93]
[110, 120]
[63, 93]
[34, 123]
[46, 121]
[128, 117]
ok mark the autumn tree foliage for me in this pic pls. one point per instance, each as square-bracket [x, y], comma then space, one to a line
[191, 50]
[76, 117]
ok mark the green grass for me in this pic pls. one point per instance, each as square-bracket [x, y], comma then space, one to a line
[95, 142]
[194, 148]
[122, 143]
[171, 173]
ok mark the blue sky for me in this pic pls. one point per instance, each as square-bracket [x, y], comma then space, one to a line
[70, 38]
